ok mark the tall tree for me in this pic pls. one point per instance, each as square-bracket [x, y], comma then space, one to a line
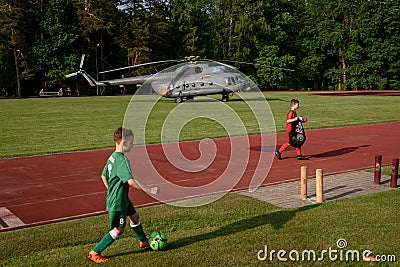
[57, 49]
[145, 31]
[16, 23]
[237, 29]
[98, 25]
[191, 24]
[271, 69]
[374, 53]
[278, 47]
[327, 29]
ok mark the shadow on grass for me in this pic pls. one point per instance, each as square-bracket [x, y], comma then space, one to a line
[235, 99]
[277, 220]
[277, 99]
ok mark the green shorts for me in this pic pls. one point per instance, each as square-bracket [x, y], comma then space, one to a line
[118, 218]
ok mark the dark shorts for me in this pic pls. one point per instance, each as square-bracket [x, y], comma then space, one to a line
[118, 218]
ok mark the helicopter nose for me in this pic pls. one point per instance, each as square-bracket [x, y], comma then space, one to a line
[167, 93]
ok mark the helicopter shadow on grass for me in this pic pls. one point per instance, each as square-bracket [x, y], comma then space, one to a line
[258, 99]
[201, 99]
[277, 99]
[276, 220]
[205, 99]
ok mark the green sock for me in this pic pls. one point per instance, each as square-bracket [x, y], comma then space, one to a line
[138, 230]
[104, 243]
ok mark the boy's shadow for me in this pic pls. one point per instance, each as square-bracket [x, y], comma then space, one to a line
[277, 220]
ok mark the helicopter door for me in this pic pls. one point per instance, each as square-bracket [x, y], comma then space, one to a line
[185, 90]
[192, 89]
[188, 89]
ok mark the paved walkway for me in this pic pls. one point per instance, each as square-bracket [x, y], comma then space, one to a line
[350, 184]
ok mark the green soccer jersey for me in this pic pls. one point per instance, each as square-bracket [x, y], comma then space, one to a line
[118, 172]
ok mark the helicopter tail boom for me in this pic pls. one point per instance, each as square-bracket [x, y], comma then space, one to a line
[90, 79]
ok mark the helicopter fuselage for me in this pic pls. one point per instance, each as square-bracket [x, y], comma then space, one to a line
[199, 80]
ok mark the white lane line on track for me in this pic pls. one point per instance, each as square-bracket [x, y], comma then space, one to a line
[59, 199]
[8, 219]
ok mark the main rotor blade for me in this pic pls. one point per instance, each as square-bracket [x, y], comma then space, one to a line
[82, 59]
[71, 75]
[256, 64]
[219, 62]
[141, 65]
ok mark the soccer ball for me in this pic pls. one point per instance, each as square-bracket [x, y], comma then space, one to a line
[300, 137]
[158, 240]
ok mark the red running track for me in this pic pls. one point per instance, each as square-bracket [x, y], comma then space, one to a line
[44, 189]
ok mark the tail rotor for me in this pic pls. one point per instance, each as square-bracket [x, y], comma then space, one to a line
[80, 68]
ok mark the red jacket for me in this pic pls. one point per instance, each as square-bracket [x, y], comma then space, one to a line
[291, 115]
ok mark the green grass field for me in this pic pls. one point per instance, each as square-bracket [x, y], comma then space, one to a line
[52, 125]
[228, 232]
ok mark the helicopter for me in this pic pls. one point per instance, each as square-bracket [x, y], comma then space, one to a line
[189, 77]
[200, 78]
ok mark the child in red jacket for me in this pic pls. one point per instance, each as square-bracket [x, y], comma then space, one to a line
[290, 118]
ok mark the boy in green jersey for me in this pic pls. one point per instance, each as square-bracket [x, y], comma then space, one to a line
[117, 178]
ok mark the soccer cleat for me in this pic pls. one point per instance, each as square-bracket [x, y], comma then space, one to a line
[300, 157]
[278, 155]
[96, 257]
[144, 244]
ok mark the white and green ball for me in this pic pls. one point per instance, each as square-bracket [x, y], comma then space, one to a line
[158, 240]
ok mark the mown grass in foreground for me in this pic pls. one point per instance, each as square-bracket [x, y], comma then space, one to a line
[229, 232]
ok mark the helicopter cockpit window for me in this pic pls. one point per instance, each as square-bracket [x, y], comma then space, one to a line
[218, 69]
[193, 70]
[234, 80]
[230, 80]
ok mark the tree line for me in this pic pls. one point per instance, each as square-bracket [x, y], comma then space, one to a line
[330, 44]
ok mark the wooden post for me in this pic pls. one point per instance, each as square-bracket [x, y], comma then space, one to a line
[319, 185]
[377, 172]
[395, 173]
[303, 183]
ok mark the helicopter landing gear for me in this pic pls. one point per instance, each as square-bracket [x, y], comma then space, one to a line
[225, 98]
[178, 99]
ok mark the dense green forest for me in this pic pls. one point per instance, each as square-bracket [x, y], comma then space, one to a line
[331, 44]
